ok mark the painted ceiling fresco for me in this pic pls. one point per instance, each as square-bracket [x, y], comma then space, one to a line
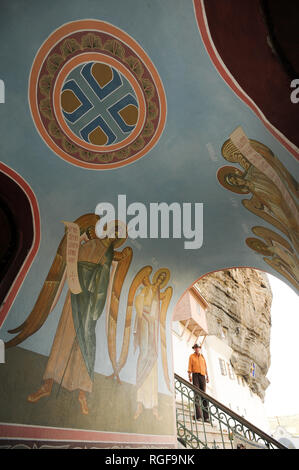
[127, 98]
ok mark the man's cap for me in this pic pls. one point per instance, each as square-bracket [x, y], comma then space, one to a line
[195, 346]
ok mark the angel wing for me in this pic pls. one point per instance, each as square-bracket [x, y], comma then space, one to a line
[283, 265]
[269, 236]
[51, 289]
[144, 272]
[125, 258]
[278, 266]
[253, 204]
[285, 175]
[166, 297]
[46, 300]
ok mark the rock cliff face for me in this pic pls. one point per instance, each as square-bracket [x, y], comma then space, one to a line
[239, 313]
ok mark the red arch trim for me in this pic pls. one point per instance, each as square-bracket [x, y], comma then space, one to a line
[203, 26]
[14, 289]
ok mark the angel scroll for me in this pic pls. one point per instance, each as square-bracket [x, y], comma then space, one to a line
[85, 261]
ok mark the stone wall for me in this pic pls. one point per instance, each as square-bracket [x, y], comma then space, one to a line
[240, 311]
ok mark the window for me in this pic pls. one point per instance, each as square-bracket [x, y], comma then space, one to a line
[176, 328]
[231, 373]
[222, 366]
[224, 332]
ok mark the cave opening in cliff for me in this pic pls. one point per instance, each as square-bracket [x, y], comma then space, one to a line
[229, 313]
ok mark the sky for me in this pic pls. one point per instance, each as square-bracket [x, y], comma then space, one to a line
[282, 395]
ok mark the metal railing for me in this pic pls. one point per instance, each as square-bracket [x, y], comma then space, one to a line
[223, 428]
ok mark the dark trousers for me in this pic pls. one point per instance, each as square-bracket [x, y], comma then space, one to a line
[199, 381]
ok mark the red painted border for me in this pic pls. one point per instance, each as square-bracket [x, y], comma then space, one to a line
[10, 431]
[229, 79]
[12, 293]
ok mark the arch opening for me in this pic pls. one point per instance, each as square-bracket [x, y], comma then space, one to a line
[232, 310]
[19, 236]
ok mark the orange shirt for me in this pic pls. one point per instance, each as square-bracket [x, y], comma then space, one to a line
[197, 364]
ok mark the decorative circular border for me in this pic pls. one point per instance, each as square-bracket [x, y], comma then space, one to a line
[95, 40]
[113, 63]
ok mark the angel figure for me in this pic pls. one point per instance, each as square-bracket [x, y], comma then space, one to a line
[151, 304]
[84, 260]
[273, 199]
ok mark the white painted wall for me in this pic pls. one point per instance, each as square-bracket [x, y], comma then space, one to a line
[233, 393]
[282, 435]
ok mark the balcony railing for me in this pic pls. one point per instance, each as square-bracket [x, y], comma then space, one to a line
[225, 429]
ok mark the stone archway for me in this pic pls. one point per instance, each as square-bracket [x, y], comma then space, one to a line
[239, 304]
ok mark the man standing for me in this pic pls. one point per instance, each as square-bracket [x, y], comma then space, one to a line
[198, 375]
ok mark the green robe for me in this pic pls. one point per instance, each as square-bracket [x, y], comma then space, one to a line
[88, 306]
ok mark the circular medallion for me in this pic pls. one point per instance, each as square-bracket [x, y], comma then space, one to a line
[95, 96]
